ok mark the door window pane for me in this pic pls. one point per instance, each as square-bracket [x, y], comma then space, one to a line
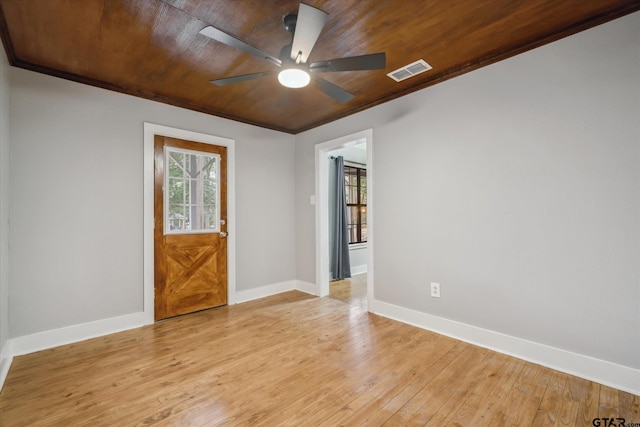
[191, 191]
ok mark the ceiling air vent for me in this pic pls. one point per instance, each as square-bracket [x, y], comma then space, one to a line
[420, 66]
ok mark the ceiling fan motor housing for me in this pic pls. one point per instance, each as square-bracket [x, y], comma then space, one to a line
[289, 22]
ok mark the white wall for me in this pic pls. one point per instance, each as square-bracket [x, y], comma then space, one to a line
[76, 200]
[525, 195]
[358, 259]
[4, 205]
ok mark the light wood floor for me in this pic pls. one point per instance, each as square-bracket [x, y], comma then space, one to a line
[352, 291]
[297, 360]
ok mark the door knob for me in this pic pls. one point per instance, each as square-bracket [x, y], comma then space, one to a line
[223, 234]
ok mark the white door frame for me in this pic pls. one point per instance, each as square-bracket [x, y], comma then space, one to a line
[322, 151]
[150, 130]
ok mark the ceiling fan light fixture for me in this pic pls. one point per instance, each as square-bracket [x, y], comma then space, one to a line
[294, 78]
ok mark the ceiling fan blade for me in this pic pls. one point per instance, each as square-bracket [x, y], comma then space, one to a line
[374, 61]
[236, 79]
[229, 40]
[308, 27]
[337, 93]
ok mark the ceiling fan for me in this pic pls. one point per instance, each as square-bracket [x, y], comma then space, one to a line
[305, 28]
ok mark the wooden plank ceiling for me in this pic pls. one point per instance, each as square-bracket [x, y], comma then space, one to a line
[152, 49]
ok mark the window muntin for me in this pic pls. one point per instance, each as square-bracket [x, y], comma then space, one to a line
[191, 190]
[355, 180]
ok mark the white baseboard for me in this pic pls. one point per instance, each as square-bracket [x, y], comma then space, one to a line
[70, 334]
[6, 357]
[56, 337]
[358, 269]
[264, 291]
[601, 371]
[309, 288]
[276, 288]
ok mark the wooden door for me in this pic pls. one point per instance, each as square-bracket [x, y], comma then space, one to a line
[190, 211]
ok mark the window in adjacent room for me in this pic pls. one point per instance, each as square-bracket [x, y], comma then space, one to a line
[356, 191]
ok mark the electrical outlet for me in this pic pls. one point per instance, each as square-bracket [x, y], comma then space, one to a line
[435, 290]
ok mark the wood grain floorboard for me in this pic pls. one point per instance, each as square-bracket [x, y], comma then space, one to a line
[352, 290]
[294, 360]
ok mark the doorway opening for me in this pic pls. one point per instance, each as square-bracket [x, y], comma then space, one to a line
[364, 268]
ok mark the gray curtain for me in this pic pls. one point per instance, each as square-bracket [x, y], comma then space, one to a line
[339, 234]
